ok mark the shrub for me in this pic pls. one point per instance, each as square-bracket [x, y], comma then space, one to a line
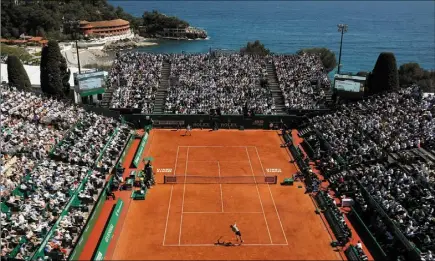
[385, 74]
[17, 75]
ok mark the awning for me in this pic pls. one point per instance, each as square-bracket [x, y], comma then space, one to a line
[92, 92]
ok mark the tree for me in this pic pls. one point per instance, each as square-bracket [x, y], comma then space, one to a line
[255, 48]
[412, 73]
[385, 74]
[45, 17]
[327, 56]
[53, 70]
[155, 22]
[17, 75]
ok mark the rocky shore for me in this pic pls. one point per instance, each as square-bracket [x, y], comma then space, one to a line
[129, 44]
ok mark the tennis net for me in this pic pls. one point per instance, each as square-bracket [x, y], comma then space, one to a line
[187, 179]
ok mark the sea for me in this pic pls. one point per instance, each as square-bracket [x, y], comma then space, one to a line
[406, 28]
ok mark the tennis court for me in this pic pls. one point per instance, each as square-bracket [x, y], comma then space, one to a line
[214, 179]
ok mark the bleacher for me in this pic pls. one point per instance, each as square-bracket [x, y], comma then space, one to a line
[80, 195]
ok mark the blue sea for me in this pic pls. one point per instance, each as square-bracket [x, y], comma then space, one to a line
[405, 28]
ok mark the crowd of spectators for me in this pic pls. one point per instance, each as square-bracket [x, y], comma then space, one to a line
[199, 83]
[402, 196]
[36, 188]
[136, 77]
[230, 82]
[363, 134]
[345, 138]
[398, 120]
[298, 76]
[83, 144]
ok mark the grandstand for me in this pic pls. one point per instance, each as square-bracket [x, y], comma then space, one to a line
[367, 166]
[198, 83]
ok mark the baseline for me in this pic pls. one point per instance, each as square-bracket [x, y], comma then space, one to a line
[213, 245]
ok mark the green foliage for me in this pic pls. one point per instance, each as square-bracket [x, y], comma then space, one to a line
[412, 73]
[255, 48]
[44, 18]
[327, 56]
[17, 75]
[19, 52]
[385, 74]
[54, 71]
[155, 22]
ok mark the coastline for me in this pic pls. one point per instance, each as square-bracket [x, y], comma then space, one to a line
[104, 55]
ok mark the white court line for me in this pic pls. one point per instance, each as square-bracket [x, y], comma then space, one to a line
[220, 185]
[258, 192]
[184, 193]
[216, 146]
[215, 212]
[273, 200]
[170, 198]
[176, 160]
[167, 217]
[219, 161]
[213, 245]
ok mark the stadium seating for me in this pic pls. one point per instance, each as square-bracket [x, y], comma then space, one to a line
[387, 167]
[231, 82]
[47, 198]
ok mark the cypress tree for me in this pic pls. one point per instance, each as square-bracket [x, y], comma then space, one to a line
[385, 74]
[17, 75]
[65, 74]
[51, 71]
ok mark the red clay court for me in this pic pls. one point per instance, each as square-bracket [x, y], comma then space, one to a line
[183, 221]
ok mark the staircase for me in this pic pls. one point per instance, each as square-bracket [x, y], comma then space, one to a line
[329, 102]
[272, 80]
[162, 91]
[107, 97]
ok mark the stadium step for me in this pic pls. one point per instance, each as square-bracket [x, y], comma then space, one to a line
[162, 91]
[272, 81]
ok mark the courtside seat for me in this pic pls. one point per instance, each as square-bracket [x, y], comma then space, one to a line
[139, 194]
[287, 182]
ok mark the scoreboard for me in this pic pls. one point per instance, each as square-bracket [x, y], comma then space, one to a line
[349, 83]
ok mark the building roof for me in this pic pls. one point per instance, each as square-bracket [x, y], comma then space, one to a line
[110, 23]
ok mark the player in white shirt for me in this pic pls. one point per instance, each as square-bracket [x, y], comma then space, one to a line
[237, 232]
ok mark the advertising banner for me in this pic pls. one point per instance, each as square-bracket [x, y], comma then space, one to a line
[140, 150]
[108, 232]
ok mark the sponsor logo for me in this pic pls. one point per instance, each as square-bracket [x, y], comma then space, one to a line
[258, 123]
[167, 123]
[164, 170]
[201, 125]
[228, 125]
[274, 170]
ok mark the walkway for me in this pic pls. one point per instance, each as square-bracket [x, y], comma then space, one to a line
[162, 91]
[272, 80]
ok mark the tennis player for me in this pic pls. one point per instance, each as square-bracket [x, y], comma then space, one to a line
[237, 232]
[188, 130]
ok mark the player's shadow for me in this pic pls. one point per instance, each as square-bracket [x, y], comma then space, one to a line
[223, 243]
